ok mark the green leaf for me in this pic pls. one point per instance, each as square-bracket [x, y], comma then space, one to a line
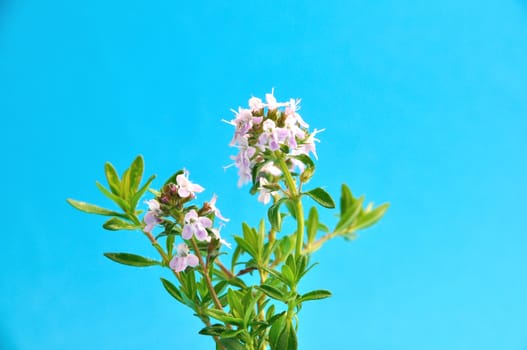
[291, 207]
[287, 339]
[288, 275]
[125, 184]
[315, 295]
[372, 217]
[346, 199]
[291, 263]
[112, 178]
[275, 218]
[214, 330]
[231, 333]
[232, 344]
[275, 273]
[249, 235]
[322, 227]
[247, 247]
[237, 282]
[312, 224]
[271, 292]
[269, 249]
[276, 330]
[220, 286]
[137, 196]
[350, 215]
[306, 270]
[235, 304]
[115, 224]
[131, 259]
[321, 197]
[136, 174]
[91, 209]
[286, 245]
[224, 317]
[118, 200]
[236, 255]
[170, 243]
[301, 265]
[172, 290]
[249, 302]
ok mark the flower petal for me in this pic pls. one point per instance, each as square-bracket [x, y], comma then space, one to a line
[205, 221]
[187, 231]
[178, 264]
[201, 233]
[192, 260]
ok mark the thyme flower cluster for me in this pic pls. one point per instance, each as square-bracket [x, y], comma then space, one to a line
[190, 222]
[262, 131]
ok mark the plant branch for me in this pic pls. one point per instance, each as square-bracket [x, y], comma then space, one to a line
[314, 246]
[223, 268]
[206, 275]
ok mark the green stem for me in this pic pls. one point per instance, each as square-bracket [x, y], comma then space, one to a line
[205, 274]
[166, 261]
[300, 227]
[314, 246]
[296, 197]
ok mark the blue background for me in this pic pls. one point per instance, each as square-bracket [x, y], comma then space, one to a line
[424, 105]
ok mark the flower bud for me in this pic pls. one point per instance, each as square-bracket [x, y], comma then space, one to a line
[307, 174]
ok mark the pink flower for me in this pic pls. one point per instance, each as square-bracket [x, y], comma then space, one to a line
[270, 137]
[243, 161]
[308, 145]
[217, 213]
[183, 258]
[291, 111]
[265, 193]
[243, 123]
[151, 218]
[185, 187]
[196, 226]
[271, 101]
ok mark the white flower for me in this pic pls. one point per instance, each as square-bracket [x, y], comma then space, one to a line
[265, 193]
[217, 213]
[291, 111]
[185, 187]
[255, 104]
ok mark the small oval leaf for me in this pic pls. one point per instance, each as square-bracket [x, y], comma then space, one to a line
[271, 292]
[136, 173]
[115, 224]
[172, 290]
[273, 213]
[372, 217]
[91, 209]
[131, 259]
[315, 295]
[321, 197]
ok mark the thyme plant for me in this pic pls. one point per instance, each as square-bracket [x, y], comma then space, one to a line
[276, 157]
